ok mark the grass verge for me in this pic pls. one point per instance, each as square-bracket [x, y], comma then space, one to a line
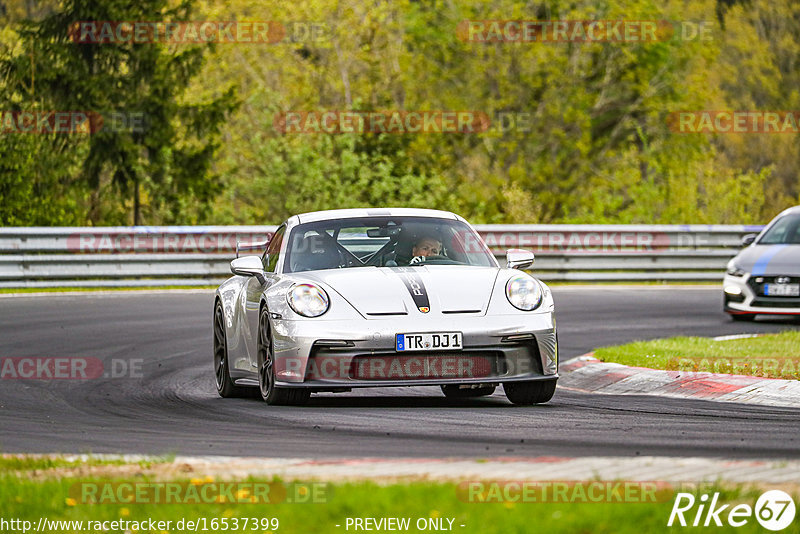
[25, 462]
[430, 503]
[633, 283]
[769, 356]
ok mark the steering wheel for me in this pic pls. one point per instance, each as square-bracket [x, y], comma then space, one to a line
[438, 260]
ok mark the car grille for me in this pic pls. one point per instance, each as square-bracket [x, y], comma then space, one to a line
[329, 363]
[425, 365]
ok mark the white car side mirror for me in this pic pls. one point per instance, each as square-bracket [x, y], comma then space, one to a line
[748, 239]
[519, 259]
[249, 266]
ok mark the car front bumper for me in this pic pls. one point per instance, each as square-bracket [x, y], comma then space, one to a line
[741, 299]
[334, 354]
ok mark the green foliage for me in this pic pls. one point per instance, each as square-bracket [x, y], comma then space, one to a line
[295, 176]
[163, 167]
[37, 185]
[597, 146]
[579, 130]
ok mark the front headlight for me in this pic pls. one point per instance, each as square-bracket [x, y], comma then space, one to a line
[735, 270]
[308, 300]
[524, 293]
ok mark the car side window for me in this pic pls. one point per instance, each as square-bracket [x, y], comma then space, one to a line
[794, 237]
[270, 259]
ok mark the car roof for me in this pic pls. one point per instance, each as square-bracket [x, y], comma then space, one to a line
[315, 216]
[792, 210]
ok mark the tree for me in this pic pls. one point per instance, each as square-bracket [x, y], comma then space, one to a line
[158, 170]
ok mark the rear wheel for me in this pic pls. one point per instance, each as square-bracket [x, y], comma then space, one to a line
[532, 392]
[455, 392]
[271, 393]
[225, 386]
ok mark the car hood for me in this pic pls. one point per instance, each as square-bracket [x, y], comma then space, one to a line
[770, 260]
[386, 291]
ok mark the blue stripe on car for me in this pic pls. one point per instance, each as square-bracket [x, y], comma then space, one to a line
[760, 267]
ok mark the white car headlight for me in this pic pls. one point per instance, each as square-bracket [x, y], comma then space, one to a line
[524, 293]
[735, 270]
[308, 300]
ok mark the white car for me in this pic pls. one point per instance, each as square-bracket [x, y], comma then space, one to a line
[383, 297]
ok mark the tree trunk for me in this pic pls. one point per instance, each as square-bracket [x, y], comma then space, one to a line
[136, 221]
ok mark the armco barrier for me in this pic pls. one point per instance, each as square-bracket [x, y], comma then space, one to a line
[200, 255]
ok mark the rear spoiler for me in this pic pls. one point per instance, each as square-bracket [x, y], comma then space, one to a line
[242, 246]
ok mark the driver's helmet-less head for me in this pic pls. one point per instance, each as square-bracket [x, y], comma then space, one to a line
[427, 246]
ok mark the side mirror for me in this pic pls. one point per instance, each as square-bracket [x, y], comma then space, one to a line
[518, 259]
[748, 239]
[242, 246]
[249, 266]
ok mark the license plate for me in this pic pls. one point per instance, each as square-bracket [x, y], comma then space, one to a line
[430, 341]
[782, 290]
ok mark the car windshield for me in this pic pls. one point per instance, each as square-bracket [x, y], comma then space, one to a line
[384, 242]
[786, 230]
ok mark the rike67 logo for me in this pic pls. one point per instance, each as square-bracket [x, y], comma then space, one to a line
[774, 510]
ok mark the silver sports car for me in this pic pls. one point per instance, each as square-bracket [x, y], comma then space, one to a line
[383, 297]
[764, 278]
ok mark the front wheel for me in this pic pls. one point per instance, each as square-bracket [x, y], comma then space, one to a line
[271, 393]
[739, 317]
[225, 386]
[532, 392]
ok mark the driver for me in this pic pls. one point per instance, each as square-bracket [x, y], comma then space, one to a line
[424, 247]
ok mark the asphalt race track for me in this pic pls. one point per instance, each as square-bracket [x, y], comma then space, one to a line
[173, 407]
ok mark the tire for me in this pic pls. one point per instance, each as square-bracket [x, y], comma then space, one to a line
[454, 392]
[270, 393]
[748, 317]
[222, 374]
[532, 392]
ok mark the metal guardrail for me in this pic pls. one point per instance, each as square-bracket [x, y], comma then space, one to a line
[200, 255]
